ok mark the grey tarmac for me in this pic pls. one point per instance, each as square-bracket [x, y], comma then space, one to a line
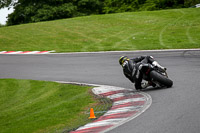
[173, 110]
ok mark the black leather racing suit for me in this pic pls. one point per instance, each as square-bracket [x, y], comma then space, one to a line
[131, 69]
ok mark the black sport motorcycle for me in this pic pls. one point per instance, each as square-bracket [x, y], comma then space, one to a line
[156, 76]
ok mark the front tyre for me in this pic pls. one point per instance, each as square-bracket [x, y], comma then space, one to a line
[155, 76]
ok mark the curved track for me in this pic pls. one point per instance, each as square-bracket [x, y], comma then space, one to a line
[175, 109]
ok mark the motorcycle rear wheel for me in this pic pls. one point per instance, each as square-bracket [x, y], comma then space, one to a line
[161, 79]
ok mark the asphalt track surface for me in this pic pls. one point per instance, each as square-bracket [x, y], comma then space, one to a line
[173, 110]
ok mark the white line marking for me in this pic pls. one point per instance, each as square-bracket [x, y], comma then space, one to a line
[1, 52]
[122, 110]
[102, 123]
[136, 51]
[116, 95]
[32, 52]
[26, 52]
[16, 52]
[128, 100]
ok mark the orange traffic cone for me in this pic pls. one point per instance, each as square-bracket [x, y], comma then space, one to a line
[92, 116]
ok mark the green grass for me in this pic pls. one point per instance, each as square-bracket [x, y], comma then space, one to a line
[164, 29]
[39, 106]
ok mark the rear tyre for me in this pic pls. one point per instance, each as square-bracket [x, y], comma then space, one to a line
[161, 79]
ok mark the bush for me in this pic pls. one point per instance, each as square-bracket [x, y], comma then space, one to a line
[47, 12]
[149, 6]
[35, 11]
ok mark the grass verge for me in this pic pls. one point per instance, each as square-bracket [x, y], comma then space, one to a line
[40, 106]
[164, 29]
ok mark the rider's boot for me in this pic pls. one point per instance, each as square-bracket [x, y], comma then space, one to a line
[155, 63]
[145, 85]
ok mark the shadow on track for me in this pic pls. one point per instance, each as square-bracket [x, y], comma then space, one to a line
[155, 89]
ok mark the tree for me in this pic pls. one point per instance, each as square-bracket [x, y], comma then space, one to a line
[150, 5]
[7, 3]
[27, 11]
[189, 3]
[39, 10]
[112, 6]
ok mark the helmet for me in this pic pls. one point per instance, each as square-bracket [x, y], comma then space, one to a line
[122, 59]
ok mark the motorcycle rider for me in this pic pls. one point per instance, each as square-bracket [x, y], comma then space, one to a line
[132, 69]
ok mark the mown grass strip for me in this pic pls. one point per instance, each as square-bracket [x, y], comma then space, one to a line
[40, 106]
[164, 29]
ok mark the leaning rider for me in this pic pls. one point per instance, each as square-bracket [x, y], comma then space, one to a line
[132, 67]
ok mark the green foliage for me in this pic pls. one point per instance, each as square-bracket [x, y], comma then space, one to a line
[150, 5]
[90, 6]
[38, 10]
[113, 6]
[189, 3]
[53, 12]
[5, 3]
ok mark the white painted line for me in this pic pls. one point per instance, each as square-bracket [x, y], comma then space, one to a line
[102, 123]
[32, 52]
[136, 51]
[116, 95]
[26, 52]
[128, 100]
[15, 52]
[122, 110]
[105, 89]
[1, 52]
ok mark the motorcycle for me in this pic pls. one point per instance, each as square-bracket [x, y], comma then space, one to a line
[156, 76]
